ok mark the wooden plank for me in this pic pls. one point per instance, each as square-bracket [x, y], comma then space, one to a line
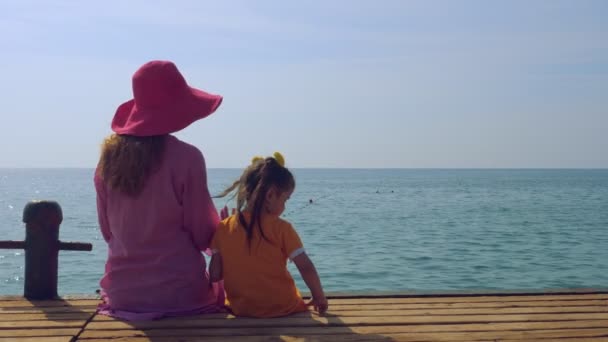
[58, 309]
[474, 336]
[324, 330]
[41, 324]
[38, 332]
[192, 322]
[351, 338]
[4, 298]
[37, 339]
[47, 316]
[405, 300]
[480, 293]
[475, 311]
[576, 339]
[483, 336]
[49, 303]
[338, 307]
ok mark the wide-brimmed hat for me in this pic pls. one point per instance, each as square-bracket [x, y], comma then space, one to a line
[162, 102]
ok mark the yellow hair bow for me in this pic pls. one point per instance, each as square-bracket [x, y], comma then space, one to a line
[277, 156]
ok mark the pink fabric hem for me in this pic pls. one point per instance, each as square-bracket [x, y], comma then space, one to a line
[105, 309]
[218, 289]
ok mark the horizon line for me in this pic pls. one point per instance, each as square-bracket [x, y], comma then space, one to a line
[334, 168]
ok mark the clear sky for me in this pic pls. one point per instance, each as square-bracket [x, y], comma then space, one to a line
[340, 83]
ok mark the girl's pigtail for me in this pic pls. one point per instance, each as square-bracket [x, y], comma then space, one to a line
[228, 190]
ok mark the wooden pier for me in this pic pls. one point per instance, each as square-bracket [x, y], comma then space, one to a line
[491, 317]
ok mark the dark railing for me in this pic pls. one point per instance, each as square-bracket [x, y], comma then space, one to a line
[42, 220]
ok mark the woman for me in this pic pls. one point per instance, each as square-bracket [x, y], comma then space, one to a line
[153, 204]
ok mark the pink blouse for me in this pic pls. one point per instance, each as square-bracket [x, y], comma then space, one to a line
[155, 267]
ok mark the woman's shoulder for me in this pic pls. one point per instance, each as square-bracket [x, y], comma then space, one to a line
[181, 153]
[175, 144]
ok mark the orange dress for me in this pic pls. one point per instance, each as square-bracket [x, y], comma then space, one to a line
[256, 278]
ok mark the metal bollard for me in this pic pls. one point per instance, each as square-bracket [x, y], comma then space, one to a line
[42, 220]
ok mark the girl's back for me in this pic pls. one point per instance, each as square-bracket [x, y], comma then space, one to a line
[251, 248]
[256, 278]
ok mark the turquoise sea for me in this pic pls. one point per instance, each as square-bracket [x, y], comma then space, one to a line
[379, 229]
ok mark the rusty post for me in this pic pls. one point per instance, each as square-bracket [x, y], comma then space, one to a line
[42, 220]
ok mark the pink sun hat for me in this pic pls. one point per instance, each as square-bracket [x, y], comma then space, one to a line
[162, 102]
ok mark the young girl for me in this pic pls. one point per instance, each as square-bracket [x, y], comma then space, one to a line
[251, 247]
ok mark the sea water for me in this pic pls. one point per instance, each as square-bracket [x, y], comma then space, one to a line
[369, 230]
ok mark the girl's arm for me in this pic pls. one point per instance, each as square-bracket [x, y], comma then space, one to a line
[215, 268]
[311, 278]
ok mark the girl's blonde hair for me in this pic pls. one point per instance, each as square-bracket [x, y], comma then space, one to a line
[252, 187]
[126, 161]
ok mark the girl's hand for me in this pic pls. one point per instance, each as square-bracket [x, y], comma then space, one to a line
[319, 304]
[224, 212]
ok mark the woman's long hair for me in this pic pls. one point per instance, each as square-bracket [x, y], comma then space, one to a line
[126, 161]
